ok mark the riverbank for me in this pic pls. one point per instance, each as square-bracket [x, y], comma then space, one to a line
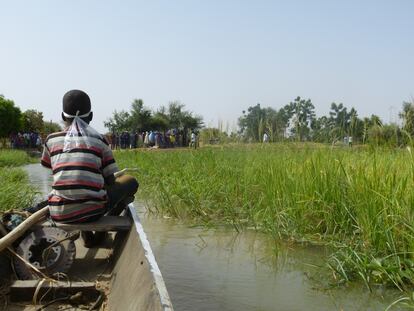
[15, 190]
[356, 201]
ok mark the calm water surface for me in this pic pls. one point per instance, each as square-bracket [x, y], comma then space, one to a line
[222, 270]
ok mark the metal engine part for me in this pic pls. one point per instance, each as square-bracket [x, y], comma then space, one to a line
[12, 220]
[49, 249]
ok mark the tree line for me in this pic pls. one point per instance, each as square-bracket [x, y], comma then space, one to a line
[13, 120]
[297, 121]
[140, 118]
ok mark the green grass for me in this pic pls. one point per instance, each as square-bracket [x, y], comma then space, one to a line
[14, 158]
[359, 202]
[15, 190]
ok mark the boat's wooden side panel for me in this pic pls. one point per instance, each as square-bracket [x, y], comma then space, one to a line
[136, 282]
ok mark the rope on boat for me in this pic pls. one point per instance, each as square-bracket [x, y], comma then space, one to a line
[71, 298]
[51, 282]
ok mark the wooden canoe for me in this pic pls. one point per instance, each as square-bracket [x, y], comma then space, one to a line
[120, 275]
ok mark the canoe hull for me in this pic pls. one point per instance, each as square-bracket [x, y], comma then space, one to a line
[136, 282]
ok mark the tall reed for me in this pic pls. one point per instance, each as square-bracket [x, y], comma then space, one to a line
[14, 157]
[358, 201]
[15, 189]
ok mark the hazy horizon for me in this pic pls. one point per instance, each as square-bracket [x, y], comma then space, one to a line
[216, 57]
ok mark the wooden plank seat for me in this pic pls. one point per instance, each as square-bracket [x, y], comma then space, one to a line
[105, 223]
[24, 290]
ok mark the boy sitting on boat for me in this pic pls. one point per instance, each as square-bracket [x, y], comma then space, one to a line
[84, 186]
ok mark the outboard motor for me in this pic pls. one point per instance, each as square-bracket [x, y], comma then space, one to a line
[49, 249]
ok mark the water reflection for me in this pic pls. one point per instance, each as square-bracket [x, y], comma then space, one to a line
[222, 270]
[41, 177]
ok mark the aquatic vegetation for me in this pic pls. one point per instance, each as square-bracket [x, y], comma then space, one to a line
[406, 302]
[15, 190]
[359, 201]
[14, 157]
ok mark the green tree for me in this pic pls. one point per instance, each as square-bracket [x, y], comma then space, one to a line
[339, 118]
[251, 122]
[321, 129]
[391, 135]
[356, 126]
[183, 119]
[303, 114]
[160, 120]
[380, 134]
[10, 117]
[51, 127]
[373, 130]
[190, 121]
[120, 121]
[32, 121]
[176, 114]
[275, 123]
[140, 116]
[257, 120]
[407, 115]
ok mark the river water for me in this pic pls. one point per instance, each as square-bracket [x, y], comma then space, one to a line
[222, 270]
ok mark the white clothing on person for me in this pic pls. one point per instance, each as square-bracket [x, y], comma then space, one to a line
[146, 139]
[38, 141]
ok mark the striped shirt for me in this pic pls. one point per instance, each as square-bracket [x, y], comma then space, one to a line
[78, 191]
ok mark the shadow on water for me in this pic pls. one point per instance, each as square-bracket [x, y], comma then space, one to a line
[222, 270]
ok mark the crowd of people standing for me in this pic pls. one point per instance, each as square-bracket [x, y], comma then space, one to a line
[168, 139]
[26, 140]
[124, 140]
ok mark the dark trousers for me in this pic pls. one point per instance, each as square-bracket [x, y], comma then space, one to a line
[120, 194]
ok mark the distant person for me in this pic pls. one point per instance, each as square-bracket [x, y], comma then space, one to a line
[134, 140]
[39, 142]
[151, 138]
[11, 141]
[167, 141]
[140, 140]
[118, 141]
[350, 141]
[146, 139]
[193, 140]
[172, 139]
[265, 138]
[127, 140]
[156, 139]
[113, 141]
[124, 140]
[84, 186]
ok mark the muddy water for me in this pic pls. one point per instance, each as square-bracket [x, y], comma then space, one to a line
[221, 270]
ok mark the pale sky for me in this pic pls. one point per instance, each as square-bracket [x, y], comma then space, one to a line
[217, 57]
